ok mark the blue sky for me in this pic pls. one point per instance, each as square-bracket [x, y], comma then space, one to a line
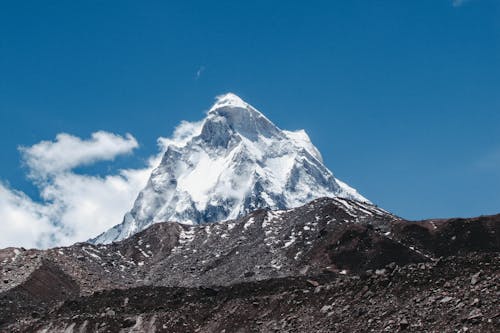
[401, 97]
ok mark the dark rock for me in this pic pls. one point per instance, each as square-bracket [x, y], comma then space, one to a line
[313, 283]
[475, 315]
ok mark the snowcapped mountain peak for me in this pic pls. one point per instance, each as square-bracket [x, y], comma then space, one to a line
[229, 100]
[233, 162]
[230, 114]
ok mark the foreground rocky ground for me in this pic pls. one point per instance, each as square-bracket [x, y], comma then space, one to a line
[454, 294]
[329, 266]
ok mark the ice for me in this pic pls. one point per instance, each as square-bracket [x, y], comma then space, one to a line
[202, 178]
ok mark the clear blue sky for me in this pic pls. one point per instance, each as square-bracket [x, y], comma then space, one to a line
[401, 97]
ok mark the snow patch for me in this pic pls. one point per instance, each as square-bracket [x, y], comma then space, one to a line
[186, 236]
[248, 223]
[290, 241]
[93, 255]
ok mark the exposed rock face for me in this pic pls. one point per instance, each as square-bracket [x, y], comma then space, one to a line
[319, 267]
[261, 245]
[228, 165]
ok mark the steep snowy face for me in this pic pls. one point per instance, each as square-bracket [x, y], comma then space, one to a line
[233, 162]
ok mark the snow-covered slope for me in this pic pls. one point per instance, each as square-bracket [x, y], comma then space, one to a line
[231, 163]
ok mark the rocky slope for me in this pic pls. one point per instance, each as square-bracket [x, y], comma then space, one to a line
[454, 294]
[227, 165]
[320, 266]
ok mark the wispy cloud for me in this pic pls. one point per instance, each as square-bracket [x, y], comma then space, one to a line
[67, 151]
[199, 72]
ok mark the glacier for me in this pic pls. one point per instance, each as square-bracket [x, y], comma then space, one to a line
[227, 165]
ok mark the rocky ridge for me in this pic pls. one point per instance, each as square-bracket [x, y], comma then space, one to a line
[318, 259]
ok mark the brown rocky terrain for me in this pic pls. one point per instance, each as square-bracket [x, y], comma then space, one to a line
[454, 294]
[330, 266]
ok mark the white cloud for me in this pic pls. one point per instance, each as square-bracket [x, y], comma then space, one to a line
[23, 222]
[67, 151]
[199, 72]
[74, 207]
[182, 134]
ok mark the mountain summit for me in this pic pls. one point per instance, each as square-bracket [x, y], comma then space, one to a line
[231, 163]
